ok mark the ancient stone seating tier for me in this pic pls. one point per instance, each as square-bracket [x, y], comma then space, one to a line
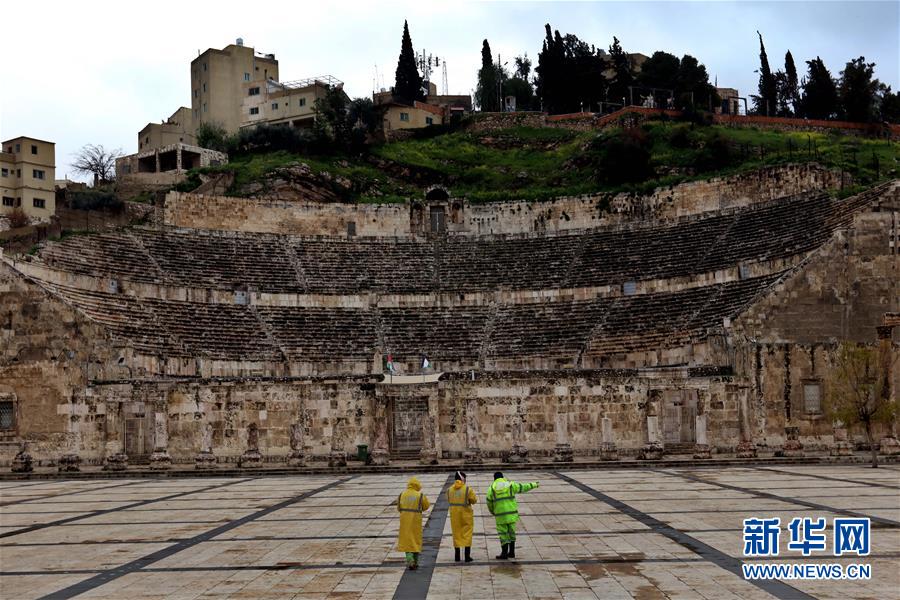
[437, 333]
[780, 229]
[558, 329]
[125, 317]
[326, 334]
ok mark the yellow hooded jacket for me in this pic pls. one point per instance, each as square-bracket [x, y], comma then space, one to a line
[411, 504]
[462, 519]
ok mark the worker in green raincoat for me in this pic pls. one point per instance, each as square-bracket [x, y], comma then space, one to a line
[501, 502]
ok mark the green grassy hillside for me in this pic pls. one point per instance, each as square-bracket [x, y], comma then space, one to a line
[533, 164]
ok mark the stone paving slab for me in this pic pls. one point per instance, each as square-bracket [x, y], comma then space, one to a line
[662, 532]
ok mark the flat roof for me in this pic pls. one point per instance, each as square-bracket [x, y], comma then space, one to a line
[25, 137]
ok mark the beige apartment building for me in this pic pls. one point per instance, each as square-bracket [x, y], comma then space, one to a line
[290, 103]
[27, 174]
[221, 78]
[177, 129]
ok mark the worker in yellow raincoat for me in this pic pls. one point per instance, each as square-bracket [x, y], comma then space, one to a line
[411, 504]
[461, 498]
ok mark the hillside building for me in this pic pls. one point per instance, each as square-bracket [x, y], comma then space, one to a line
[27, 174]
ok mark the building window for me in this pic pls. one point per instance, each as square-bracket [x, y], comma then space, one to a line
[404, 116]
[38, 203]
[204, 107]
[195, 93]
[204, 66]
[254, 110]
[246, 76]
[37, 174]
[629, 288]
[302, 102]
[7, 415]
[33, 149]
[18, 148]
[254, 91]
[429, 121]
[4, 172]
[812, 397]
[204, 88]
[7, 201]
[18, 172]
[274, 106]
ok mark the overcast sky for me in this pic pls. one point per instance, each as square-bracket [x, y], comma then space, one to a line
[98, 72]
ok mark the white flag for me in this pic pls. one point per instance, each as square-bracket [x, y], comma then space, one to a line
[425, 363]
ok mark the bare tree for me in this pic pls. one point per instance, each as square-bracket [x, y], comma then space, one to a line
[97, 161]
[859, 390]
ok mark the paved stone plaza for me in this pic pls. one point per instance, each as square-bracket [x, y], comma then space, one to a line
[620, 533]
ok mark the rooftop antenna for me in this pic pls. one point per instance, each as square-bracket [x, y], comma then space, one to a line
[444, 79]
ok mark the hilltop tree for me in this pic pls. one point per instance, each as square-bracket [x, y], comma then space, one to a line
[858, 90]
[857, 392]
[889, 105]
[790, 92]
[570, 74]
[660, 71]
[97, 161]
[692, 83]
[408, 82]
[550, 78]
[487, 89]
[519, 85]
[766, 101]
[820, 99]
[622, 77]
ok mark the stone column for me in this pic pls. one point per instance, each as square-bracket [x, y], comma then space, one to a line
[842, 446]
[518, 453]
[298, 456]
[608, 450]
[22, 461]
[115, 459]
[701, 448]
[889, 445]
[745, 448]
[653, 449]
[70, 462]
[472, 455]
[792, 447]
[381, 454]
[251, 458]
[160, 459]
[429, 454]
[205, 459]
[338, 456]
[562, 452]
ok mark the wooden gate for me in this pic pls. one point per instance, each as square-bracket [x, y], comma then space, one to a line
[679, 413]
[407, 418]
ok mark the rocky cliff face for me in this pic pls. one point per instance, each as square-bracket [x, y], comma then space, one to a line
[299, 182]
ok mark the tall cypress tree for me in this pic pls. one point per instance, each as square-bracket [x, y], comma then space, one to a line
[792, 84]
[408, 82]
[766, 102]
[622, 74]
[486, 94]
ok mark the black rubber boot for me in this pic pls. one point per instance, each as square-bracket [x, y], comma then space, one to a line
[504, 553]
[512, 549]
[456, 554]
[469, 554]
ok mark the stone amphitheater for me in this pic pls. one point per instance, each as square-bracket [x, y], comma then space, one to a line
[700, 319]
